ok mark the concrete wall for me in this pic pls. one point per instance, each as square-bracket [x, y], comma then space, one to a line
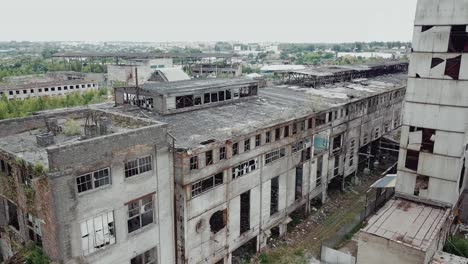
[200, 245]
[71, 207]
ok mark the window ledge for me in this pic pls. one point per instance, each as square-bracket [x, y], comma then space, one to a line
[141, 230]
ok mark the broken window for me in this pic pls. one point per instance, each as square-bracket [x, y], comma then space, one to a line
[297, 146]
[222, 153]
[214, 97]
[246, 145]
[306, 154]
[221, 95]
[386, 127]
[294, 129]
[206, 98]
[2, 166]
[428, 140]
[301, 126]
[13, 215]
[244, 168]
[376, 132]
[245, 212]
[257, 140]
[198, 100]
[422, 183]
[228, 94]
[336, 169]
[209, 157]
[274, 155]
[138, 166]
[184, 101]
[412, 159]
[268, 137]
[352, 145]
[458, 41]
[426, 28]
[235, 149]
[365, 138]
[435, 62]
[93, 180]
[320, 119]
[452, 67]
[318, 176]
[218, 221]
[147, 257]
[298, 188]
[337, 142]
[34, 226]
[140, 213]
[194, 163]
[97, 233]
[274, 193]
[207, 184]
[286, 131]
[309, 123]
[277, 134]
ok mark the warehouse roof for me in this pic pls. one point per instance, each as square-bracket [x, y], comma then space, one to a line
[413, 224]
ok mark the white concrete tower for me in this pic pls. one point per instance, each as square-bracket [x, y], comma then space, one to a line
[432, 160]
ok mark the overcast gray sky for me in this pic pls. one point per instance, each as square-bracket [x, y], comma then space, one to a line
[207, 20]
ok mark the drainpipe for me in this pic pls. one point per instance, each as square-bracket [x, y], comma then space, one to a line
[175, 198]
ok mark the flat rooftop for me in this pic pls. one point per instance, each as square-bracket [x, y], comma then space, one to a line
[23, 143]
[273, 105]
[193, 85]
[41, 84]
[141, 55]
[334, 69]
[413, 224]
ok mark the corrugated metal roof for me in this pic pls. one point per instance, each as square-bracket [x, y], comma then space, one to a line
[389, 181]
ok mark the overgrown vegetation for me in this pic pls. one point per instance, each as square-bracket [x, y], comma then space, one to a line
[22, 108]
[457, 246]
[29, 254]
[71, 128]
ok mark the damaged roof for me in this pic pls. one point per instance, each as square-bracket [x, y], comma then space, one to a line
[273, 105]
[413, 224]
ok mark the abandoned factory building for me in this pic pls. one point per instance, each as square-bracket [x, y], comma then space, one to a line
[88, 186]
[246, 157]
[188, 171]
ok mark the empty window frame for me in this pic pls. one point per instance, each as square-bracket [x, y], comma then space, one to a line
[140, 213]
[337, 142]
[306, 154]
[267, 137]
[138, 166]
[244, 212]
[298, 146]
[228, 95]
[209, 157]
[412, 159]
[193, 162]
[298, 183]
[428, 138]
[93, 180]
[198, 100]
[301, 125]
[222, 153]
[352, 147]
[207, 184]
[452, 67]
[275, 155]
[458, 40]
[218, 221]
[309, 123]
[244, 168]
[258, 140]
[246, 145]
[147, 257]
[321, 119]
[13, 215]
[286, 131]
[184, 101]
[97, 233]
[336, 170]
[214, 97]
[206, 98]
[274, 193]
[318, 176]
[387, 127]
[376, 132]
[221, 96]
[277, 134]
[294, 129]
[235, 149]
[34, 226]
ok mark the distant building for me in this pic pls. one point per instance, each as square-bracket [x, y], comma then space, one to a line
[40, 89]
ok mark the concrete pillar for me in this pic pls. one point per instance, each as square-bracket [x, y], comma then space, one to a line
[228, 259]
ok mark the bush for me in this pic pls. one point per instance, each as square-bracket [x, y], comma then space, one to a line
[71, 128]
[457, 246]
